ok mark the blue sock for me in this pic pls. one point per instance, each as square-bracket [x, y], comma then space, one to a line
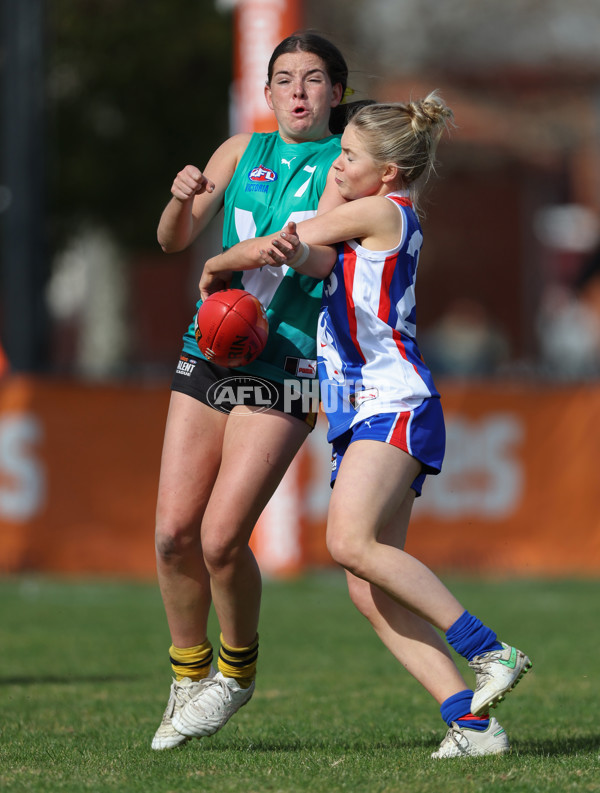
[458, 708]
[470, 637]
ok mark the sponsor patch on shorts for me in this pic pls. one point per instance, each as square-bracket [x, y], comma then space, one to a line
[186, 365]
[301, 367]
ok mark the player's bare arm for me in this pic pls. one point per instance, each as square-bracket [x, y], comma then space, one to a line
[198, 196]
[316, 260]
[373, 221]
[330, 198]
[249, 254]
[218, 270]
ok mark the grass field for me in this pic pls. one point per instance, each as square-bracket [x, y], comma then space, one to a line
[84, 679]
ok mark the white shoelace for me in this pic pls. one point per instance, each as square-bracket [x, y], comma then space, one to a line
[211, 695]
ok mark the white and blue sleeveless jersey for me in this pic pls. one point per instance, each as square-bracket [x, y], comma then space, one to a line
[368, 358]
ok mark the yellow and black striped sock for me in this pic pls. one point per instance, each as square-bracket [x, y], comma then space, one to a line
[239, 662]
[192, 662]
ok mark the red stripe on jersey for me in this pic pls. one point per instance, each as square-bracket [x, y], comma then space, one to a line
[349, 270]
[404, 201]
[399, 435]
[383, 311]
[397, 336]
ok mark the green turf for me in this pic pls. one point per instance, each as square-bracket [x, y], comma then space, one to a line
[84, 679]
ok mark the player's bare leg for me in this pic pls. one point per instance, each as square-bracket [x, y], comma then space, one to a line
[257, 450]
[411, 640]
[190, 460]
[371, 487]
[375, 495]
[421, 650]
[189, 467]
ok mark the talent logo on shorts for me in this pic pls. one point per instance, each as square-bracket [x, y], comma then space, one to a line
[186, 365]
[231, 392]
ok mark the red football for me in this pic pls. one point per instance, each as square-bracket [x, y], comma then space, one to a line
[231, 327]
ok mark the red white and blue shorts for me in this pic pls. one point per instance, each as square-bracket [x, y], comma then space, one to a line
[420, 432]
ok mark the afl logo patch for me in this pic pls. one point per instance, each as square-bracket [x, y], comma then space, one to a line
[262, 174]
[330, 284]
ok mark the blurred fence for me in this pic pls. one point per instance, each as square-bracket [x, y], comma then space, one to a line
[518, 495]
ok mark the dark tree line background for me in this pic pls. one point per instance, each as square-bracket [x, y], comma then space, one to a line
[134, 92]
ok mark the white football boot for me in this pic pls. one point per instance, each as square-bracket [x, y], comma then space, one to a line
[496, 673]
[182, 691]
[213, 704]
[464, 742]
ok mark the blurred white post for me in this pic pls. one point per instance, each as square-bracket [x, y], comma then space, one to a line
[259, 26]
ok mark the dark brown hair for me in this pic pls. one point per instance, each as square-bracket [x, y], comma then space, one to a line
[306, 41]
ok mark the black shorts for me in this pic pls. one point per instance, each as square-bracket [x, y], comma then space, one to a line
[223, 389]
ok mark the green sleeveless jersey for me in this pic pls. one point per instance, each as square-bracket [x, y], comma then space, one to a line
[276, 182]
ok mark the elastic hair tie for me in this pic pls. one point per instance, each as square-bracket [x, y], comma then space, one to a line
[346, 95]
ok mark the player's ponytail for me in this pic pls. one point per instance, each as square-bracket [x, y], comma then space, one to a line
[342, 114]
[428, 115]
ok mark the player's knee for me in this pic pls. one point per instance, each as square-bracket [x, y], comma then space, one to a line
[344, 550]
[216, 557]
[220, 550]
[173, 544]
